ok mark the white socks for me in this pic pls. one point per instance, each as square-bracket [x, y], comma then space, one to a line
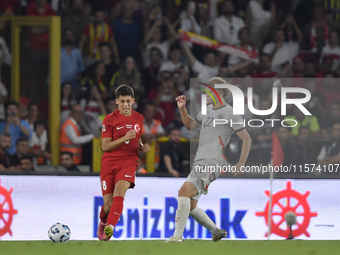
[182, 215]
[202, 218]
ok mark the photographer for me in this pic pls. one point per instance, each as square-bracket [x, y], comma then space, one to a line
[13, 125]
[164, 98]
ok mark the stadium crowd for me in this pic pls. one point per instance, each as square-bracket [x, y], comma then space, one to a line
[136, 42]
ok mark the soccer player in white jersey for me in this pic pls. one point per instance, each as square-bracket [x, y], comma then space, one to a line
[212, 141]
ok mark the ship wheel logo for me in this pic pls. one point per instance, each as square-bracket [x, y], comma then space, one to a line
[6, 210]
[285, 201]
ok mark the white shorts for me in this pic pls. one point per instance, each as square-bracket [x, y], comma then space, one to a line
[204, 172]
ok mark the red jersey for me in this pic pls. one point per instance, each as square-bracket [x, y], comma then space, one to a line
[115, 126]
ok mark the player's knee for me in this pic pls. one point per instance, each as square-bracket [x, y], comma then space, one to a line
[183, 192]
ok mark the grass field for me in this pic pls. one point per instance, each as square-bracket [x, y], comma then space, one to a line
[293, 247]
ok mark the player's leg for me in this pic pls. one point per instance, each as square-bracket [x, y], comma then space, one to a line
[117, 206]
[202, 218]
[187, 191]
[107, 185]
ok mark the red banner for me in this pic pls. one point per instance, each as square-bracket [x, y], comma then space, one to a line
[212, 44]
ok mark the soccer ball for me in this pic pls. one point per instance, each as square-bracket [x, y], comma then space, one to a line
[59, 233]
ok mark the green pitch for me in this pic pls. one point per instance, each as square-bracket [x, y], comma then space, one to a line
[196, 247]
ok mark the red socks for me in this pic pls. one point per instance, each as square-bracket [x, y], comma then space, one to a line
[103, 215]
[115, 211]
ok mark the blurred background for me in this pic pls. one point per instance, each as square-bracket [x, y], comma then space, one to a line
[61, 61]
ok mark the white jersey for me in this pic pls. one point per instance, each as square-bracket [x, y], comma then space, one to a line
[212, 139]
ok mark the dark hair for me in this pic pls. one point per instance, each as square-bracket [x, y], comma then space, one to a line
[103, 44]
[87, 94]
[266, 5]
[98, 9]
[158, 51]
[69, 98]
[68, 29]
[39, 122]
[27, 157]
[148, 103]
[66, 153]
[278, 126]
[11, 102]
[303, 127]
[31, 104]
[163, 72]
[175, 46]
[124, 90]
[280, 30]
[241, 30]
[5, 134]
[173, 129]
[265, 55]
[21, 139]
[91, 71]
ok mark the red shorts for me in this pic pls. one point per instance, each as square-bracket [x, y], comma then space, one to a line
[110, 175]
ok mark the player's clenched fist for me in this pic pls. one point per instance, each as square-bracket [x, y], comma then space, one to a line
[145, 148]
[180, 101]
[130, 134]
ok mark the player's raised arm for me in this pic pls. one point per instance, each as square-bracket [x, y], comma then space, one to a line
[109, 145]
[189, 123]
[246, 145]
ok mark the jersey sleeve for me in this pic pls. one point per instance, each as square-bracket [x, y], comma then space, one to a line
[199, 117]
[237, 123]
[107, 127]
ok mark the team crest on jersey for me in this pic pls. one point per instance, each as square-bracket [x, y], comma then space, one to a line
[103, 128]
[137, 128]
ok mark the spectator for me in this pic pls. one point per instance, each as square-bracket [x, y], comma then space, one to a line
[328, 120]
[329, 89]
[262, 82]
[326, 67]
[292, 31]
[106, 57]
[310, 69]
[244, 44]
[330, 152]
[26, 163]
[110, 107]
[128, 74]
[316, 105]
[316, 33]
[164, 98]
[5, 159]
[300, 119]
[71, 60]
[93, 107]
[150, 73]
[5, 56]
[247, 82]
[304, 150]
[283, 134]
[260, 18]
[332, 50]
[77, 20]
[39, 45]
[15, 126]
[171, 158]
[189, 22]
[94, 33]
[226, 26]
[138, 10]
[179, 82]
[67, 161]
[70, 135]
[21, 145]
[37, 145]
[95, 77]
[281, 52]
[66, 102]
[128, 33]
[153, 39]
[298, 68]
[203, 20]
[3, 98]
[207, 70]
[177, 122]
[152, 129]
[33, 113]
[174, 62]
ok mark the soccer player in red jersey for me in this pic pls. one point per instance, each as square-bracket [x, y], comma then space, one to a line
[121, 142]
